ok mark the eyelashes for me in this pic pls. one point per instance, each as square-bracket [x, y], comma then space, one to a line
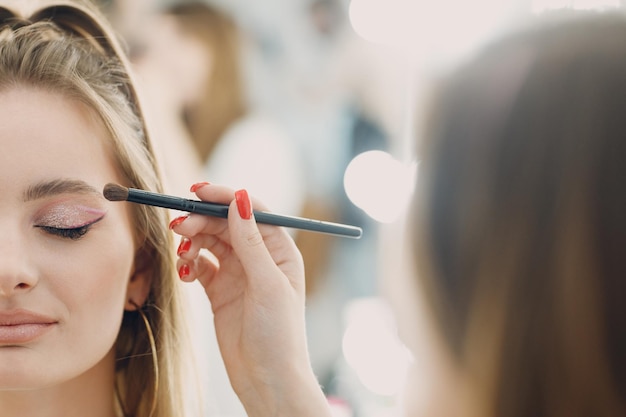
[70, 233]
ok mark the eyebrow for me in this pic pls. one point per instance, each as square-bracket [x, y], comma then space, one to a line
[58, 186]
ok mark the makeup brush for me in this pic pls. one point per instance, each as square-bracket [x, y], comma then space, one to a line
[115, 192]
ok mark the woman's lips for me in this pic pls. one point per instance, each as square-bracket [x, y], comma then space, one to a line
[23, 326]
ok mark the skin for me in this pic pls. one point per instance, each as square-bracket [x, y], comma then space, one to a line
[256, 290]
[175, 64]
[80, 285]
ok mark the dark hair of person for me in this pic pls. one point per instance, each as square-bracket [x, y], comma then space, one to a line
[521, 218]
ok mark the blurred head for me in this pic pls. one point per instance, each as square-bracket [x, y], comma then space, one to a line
[216, 97]
[521, 219]
[73, 122]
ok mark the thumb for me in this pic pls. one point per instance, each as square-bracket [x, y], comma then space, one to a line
[246, 239]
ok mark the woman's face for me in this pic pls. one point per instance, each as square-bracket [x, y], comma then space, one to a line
[184, 61]
[66, 253]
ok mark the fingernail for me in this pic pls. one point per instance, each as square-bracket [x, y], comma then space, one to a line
[243, 204]
[177, 221]
[198, 185]
[184, 246]
[183, 271]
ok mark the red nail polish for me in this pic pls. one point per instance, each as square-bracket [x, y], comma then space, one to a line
[177, 221]
[183, 271]
[243, 204]
[184, 246]
[198, 185]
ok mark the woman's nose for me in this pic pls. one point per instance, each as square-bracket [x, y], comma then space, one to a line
[16, 272]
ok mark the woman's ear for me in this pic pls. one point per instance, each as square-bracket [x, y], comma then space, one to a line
[140, 280]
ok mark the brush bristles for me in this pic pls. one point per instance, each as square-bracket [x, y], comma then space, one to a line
[114, 192]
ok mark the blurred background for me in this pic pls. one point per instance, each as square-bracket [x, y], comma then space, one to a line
[314, 106]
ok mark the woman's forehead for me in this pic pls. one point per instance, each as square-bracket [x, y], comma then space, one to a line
[46, 132]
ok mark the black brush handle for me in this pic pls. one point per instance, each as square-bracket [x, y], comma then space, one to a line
[221, 210]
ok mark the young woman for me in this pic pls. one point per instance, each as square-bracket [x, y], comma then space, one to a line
[80, 274]
[90, 306]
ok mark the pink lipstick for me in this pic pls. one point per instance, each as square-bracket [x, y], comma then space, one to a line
[22, 326]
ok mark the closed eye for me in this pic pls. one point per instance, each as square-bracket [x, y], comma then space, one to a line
[72, 233]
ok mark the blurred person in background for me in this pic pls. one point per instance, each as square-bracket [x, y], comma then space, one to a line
[521, 221]
[192, 67]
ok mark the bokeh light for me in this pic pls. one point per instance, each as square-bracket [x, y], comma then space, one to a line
[372, 348]
[539, 6]
[435, 30]
[379, 185]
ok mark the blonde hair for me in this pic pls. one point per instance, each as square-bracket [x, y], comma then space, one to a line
[67, 47]
[521, 219]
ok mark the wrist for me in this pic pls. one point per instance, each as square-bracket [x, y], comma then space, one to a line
[297, 394]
